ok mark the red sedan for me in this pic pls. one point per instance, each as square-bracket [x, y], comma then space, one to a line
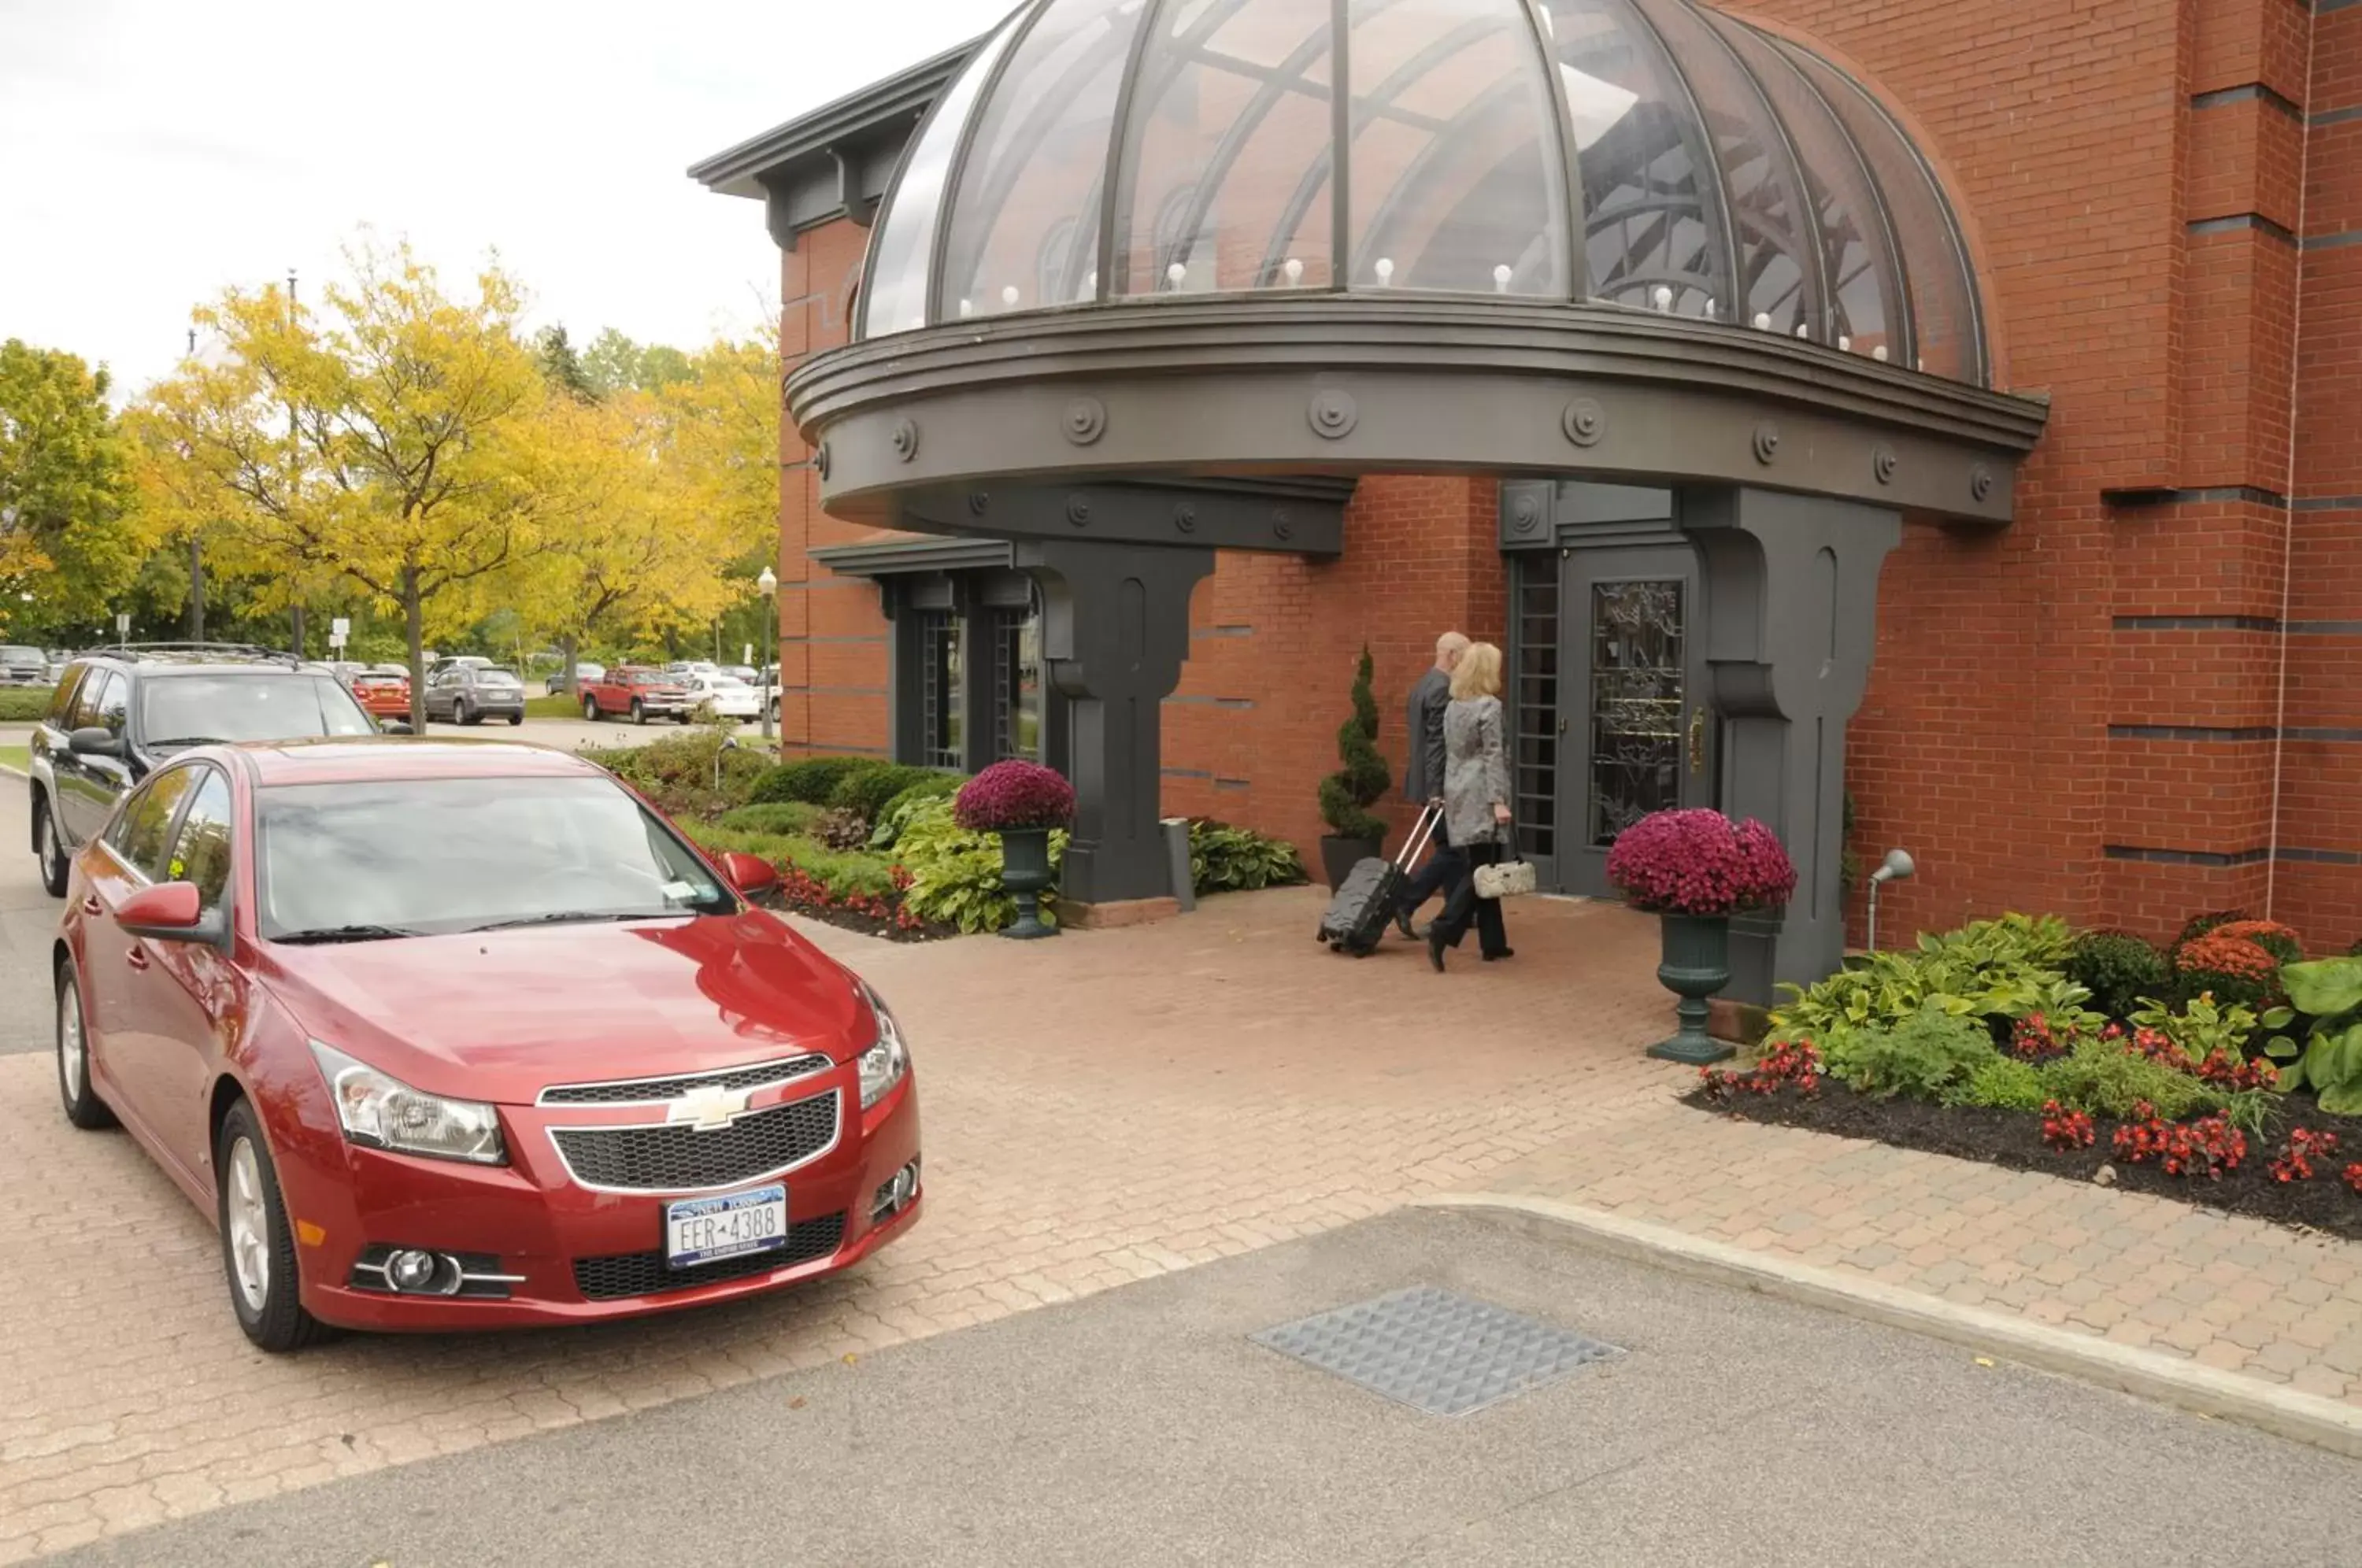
[382, 693]
[466, 1036]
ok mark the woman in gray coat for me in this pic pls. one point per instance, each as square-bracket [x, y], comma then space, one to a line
[1475, 802]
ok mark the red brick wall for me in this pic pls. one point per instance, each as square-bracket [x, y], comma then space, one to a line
[2082, 712]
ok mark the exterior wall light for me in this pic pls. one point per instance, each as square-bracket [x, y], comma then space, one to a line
[1879, 353]
[1763, 321]
[1294, 270]
[1895, 866]
[1385, 271]
[1501, 276]
[1008, 296]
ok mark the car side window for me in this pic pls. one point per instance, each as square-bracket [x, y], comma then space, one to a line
[200, 851]
[142, 830]
[62, 704]
[111, 702]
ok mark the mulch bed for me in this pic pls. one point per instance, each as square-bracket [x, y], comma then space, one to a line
[2013, 1139]
[864, 924]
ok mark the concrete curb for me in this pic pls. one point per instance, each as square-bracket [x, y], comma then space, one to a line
[2171, 1380]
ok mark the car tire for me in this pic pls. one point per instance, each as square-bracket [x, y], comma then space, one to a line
[639, 712]
[56, 868]
[517, 717]
[84, 1107]
[775, 710]
[590, 714]
[258, 1249]
[461, 713]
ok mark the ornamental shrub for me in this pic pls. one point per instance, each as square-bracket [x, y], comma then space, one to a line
[2231, 969]
[887, 827]
[2003, 1083]
[1224, 859]
[25, 704]
[864, 791]
[2199, 925]
[1922, 1057]
[1347, 794]
[811, 781]
[1014, 795]
[2279, 940]
[2102, 1078]
[1993, 969]
[2118, 968]
[1700, 863]
[678, 773]
[782, 817]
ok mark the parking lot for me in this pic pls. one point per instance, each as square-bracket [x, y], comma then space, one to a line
[1101, 1109]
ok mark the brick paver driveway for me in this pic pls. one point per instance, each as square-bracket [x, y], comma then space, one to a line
[1098, 1109]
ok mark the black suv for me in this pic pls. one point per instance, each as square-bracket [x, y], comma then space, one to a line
[119, 712]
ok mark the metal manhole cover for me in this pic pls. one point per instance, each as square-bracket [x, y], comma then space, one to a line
[1436, 1351]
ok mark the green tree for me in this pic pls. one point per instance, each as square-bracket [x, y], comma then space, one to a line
[560, 365]
[613, 362]
[1347, 794]
[70, 537]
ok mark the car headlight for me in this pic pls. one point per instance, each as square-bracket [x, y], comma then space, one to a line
[883, 1065]
[379, 1110]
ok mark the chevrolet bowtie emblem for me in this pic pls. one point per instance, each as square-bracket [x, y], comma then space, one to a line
[708, 1107]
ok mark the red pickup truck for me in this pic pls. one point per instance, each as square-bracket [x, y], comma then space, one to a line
[642, 694]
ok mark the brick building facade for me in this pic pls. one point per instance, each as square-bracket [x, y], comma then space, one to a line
[2141, 699]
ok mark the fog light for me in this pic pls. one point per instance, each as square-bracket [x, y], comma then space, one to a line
[410, 1269]
[894, 1194]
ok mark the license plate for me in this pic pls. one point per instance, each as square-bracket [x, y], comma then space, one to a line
[707, 1230]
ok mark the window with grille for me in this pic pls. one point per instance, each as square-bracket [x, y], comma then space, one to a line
[1536, 688]
[943, 694]
[1017, 683]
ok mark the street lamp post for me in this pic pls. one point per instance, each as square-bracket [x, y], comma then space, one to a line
[769, 583]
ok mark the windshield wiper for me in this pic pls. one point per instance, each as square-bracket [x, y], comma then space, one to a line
[189, 740]
[347, 934]
[561, 917]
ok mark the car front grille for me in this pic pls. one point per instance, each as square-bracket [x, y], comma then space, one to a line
[644, 1089]
[646, 1274]
[683, 1159]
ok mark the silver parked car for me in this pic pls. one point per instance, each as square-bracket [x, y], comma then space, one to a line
[469, 695]
[23, 666]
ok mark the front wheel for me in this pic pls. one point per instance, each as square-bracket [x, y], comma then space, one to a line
[84, 1107]
[257, 1251]
[517, 717]
[45, 846]
[639, 712]
[459, 714]
[775, 710]
[590, 709]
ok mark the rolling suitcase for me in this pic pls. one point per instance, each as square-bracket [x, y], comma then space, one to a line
[1365, 900]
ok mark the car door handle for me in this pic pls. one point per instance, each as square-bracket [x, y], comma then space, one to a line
[90, 906]
[135, 958]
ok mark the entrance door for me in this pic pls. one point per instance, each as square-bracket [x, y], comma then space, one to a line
[1635, 731]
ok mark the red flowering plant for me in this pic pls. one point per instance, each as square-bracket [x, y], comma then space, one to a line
[1700, 863]
[1014, 795]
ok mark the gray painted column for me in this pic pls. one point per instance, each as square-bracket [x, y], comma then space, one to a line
[1115, 630]
[1791, 613]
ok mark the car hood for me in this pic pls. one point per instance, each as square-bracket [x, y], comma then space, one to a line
[501, 1015]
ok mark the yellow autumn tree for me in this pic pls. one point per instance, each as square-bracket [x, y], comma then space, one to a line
[385, 440]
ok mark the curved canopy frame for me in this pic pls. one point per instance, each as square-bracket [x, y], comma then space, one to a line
[1652, 154]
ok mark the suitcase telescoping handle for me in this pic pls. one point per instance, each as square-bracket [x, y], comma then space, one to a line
[1430, 819]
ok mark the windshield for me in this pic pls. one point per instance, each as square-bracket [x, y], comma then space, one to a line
[187, 709]
[341, 862]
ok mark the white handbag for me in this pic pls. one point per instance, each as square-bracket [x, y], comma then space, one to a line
[1505, 879]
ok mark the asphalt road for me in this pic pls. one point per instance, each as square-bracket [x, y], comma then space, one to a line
[1143, 1425]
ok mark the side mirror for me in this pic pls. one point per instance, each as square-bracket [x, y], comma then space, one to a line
[750, 874]
[168, 911]
[393, 726]
[94, 740]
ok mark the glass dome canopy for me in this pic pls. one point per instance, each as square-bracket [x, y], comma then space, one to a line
[1652, 154]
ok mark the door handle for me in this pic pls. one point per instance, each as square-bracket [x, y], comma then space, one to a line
[90, 906]
[135, 958]
[1697, 739]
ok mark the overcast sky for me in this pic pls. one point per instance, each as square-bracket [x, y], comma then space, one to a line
[153, 152]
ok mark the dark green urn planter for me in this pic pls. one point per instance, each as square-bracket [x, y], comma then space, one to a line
[1025, 871]
[1694, 966]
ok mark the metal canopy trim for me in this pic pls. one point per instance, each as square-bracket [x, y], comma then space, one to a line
[1344, 385]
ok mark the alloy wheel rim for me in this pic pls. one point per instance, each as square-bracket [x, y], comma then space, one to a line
[71, 1053]
[51, 860]
[248, 1225]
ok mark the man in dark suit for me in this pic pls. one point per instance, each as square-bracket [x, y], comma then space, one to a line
[1423, 776]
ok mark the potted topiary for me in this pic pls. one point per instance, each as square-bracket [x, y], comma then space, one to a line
[1021, 801]
[1346, 795]
[1695, 869]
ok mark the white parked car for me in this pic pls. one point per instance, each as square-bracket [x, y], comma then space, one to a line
[722, 696]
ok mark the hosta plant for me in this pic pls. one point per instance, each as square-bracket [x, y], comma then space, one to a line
[2328, 990]
[955, 872]
[2008, 967]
